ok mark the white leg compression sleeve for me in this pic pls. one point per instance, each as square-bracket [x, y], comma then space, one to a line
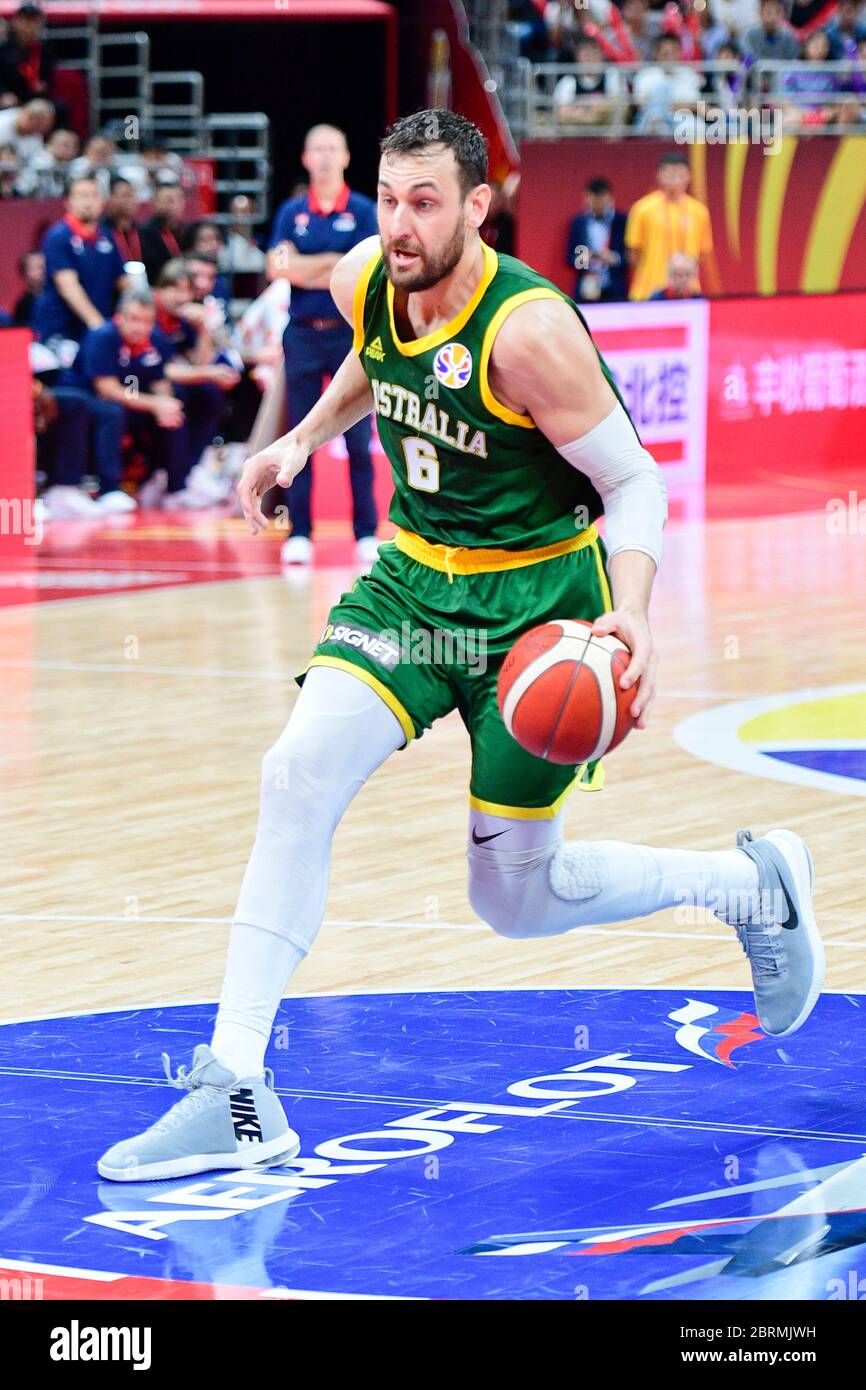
[340, 731]
[525, 881]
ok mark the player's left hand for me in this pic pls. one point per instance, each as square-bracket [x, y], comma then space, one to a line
[631, 626]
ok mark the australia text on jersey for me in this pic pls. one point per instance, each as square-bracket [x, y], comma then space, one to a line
[402, 406]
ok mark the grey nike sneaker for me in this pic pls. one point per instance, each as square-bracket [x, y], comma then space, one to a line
[778, 932]
[223, 1122]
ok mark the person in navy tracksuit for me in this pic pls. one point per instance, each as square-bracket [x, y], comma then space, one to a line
[83, 269]
[309, 235]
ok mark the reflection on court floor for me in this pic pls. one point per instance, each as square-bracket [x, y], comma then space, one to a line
[550, 1144]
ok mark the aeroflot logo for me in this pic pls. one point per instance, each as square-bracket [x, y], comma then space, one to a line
[411, 1136]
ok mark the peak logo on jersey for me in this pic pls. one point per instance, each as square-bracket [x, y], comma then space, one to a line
[730, 1030]
[452, 365]
[375, 350]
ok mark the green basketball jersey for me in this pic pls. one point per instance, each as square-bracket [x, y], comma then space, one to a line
[467, 470]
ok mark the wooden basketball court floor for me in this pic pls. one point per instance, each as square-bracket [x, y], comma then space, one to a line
[135, 723]
[140, 698]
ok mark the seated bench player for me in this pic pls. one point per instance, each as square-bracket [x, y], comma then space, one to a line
[122, 367]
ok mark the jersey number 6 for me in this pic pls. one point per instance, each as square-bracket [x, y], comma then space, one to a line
[422, 464]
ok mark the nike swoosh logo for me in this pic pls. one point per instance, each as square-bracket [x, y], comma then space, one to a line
[482, 839]
[793, 920]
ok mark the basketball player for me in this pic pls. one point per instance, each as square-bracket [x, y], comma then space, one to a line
[507, 441]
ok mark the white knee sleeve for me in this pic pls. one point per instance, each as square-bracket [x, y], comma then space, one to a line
[339, 733]
[523, 881]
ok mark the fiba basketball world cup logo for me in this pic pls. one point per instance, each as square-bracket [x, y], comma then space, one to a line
[453, 365]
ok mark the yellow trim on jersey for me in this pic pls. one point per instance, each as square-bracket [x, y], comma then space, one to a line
[450, 330]
[493, 405]
[359, 300]
[394, 705]
[602, 577]
[464, 559]
[493, 808]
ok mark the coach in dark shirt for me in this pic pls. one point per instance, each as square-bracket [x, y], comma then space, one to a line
[83, 268]
[162, 234]
[310, 234]
[596, 247]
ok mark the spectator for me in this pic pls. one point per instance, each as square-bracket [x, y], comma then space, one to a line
[23, 127]
[32, 269]
[665, 88]
[585, 98]
[209, 288]
[200, 381]
[682, 281]
[642, 27]
[813, 92]
[771, 39]
[205, 239]
[596, 246]
[26, 59]
[846, 30]
[83, 268]
[736, 16]
[98, 161]
[162, 164]
[161, 234]
[711, 34]
[664, 222]
[498, 228]
[10, 171]
[120, 209]
[310, 234]
[724, 89]
[130, 350]
[564, 26]
[240, 254]
[528, 22]
[47, 174]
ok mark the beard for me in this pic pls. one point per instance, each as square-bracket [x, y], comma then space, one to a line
[431, 268]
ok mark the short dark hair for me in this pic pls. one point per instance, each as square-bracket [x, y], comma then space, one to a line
[174, 272]
[599, 185]
[118, 179]
[672, 157]
[437, 126]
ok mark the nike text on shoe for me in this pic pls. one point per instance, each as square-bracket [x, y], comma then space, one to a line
[778, 932]
[223, 1122]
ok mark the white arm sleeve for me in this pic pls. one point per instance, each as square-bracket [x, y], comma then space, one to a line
[628, 480]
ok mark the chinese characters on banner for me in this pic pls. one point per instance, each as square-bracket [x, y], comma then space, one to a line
[657, 353]
[787, 388]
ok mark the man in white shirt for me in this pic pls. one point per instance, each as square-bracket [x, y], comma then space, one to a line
[666, 87]
[24, 127]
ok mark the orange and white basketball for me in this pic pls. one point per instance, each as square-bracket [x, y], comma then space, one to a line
[559, 692]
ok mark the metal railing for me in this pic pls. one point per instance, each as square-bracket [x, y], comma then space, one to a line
[175, 109]
[551, 100]
[239, 145]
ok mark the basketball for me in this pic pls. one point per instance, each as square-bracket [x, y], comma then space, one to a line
[559, 692]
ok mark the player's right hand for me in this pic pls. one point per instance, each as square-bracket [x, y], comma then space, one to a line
[279, 463]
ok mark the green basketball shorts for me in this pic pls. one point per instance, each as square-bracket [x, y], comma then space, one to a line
[429, 627]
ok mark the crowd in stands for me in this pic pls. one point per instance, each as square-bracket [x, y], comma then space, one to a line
[674, 40]
[140, 366]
